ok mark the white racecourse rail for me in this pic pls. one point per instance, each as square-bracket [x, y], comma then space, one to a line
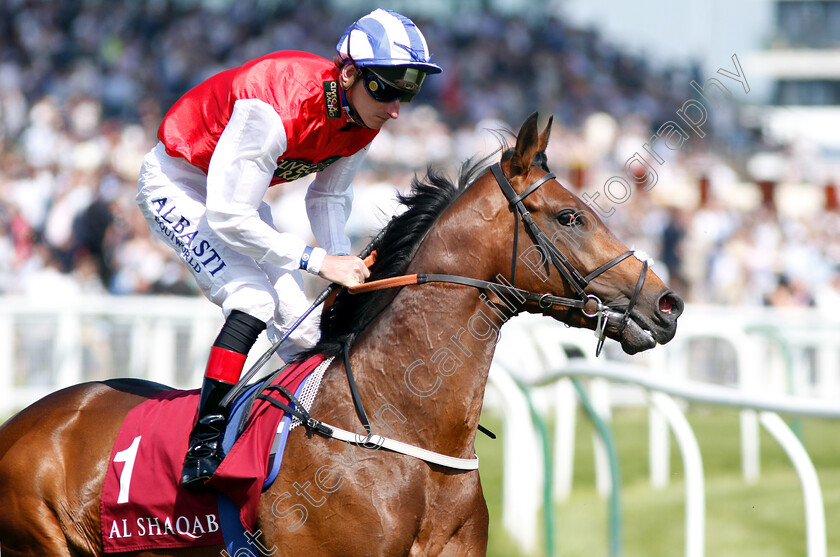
[760, 360]
[763, 361]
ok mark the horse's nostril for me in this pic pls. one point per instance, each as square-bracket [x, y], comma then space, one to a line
[670, 305]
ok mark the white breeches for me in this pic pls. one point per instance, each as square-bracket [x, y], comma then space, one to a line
[171, 194]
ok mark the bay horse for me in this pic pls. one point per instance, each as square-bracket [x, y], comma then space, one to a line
[420, 354]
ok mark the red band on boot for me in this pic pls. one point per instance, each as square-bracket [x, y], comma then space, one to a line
[225, 365]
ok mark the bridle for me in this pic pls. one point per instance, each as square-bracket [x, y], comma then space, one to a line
[605, 315]
[576, 280]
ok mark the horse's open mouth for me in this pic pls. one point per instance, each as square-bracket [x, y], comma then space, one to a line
[636, 335]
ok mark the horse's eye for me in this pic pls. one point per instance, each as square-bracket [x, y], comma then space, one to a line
[569, 218]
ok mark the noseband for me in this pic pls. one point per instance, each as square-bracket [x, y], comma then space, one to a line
[606, 316]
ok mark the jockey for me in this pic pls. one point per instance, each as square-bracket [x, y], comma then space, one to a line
[224, 143]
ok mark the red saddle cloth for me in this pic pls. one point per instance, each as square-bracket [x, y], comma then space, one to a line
[143, 505]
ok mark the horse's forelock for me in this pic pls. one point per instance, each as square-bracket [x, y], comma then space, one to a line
[540, 159]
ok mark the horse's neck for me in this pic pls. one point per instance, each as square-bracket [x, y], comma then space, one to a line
[426, 358]
[428, 354]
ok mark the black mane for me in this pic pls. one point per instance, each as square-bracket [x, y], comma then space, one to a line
[428, 199]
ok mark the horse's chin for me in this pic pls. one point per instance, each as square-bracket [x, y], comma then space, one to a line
[635, 338]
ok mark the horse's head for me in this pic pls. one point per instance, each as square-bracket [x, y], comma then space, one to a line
[565, 251]
[528, 243]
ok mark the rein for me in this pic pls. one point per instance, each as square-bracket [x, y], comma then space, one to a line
[576, 280]
[546, 301]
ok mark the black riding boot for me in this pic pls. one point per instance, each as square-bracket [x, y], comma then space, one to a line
[227, 356]
[205, 452]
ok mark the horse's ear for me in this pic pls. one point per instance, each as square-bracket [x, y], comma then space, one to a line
[527, 145]
[546, 132]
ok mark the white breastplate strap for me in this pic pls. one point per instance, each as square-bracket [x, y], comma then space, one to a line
[376, 441]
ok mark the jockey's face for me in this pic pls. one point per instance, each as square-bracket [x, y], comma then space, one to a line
[372, 112]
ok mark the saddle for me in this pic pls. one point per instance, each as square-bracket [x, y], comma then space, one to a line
[143, 505]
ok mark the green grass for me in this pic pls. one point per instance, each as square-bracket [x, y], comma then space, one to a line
[765, 519]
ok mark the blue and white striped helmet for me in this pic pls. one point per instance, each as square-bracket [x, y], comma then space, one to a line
[385, 38]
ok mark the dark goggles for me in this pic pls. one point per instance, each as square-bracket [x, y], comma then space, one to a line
[389, 84]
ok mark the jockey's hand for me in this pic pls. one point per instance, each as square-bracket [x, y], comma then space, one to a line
[346, 270]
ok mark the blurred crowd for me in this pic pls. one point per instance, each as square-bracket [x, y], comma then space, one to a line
[85, 83]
